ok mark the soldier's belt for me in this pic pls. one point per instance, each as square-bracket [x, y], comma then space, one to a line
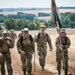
[62, 51]
[5, 52]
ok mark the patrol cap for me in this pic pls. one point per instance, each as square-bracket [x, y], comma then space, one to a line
[26, 30]
[21, 30]
[62, 31]
[4, 33]
[42, 25]
[11, 30]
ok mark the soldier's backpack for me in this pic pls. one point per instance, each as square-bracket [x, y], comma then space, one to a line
[30, 37]
[40, 34]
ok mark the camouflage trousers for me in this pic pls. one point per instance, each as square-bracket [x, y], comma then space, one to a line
[13, 41]
[64, 60]
[26, 63]
[42, 54]
[6, 58]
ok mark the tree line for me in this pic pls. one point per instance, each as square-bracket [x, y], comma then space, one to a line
[67, 20]
[19, 22]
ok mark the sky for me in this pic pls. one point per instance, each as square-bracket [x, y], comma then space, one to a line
[34, 3]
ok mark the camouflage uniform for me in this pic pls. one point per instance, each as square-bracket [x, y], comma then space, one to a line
[12, 35]
[62, 54]
[41, 41]
[27, 46]
[21, 34]
[0, 33]
[5, 51]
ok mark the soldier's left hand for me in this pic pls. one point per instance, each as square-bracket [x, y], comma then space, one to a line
[61, 46]
[50, 50]
[1, 56]
[8, 42]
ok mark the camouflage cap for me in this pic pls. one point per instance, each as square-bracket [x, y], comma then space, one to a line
[62, 31]
[43, 26]
[26, 30]
[4, 32]
[21, 30]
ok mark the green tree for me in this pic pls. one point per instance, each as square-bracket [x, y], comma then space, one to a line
[10, 23]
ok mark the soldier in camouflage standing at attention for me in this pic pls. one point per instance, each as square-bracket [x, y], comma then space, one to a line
[62, 45]
[42, 38]
[25, 46]
[5, 45]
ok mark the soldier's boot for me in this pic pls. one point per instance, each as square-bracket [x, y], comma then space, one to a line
[2, 74]
[66, 72]
[59, 72]
[29, 74]
[42, 68]
[2, 70]
[10, 74]
[24, 72]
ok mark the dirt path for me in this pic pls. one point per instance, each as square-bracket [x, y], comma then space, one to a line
[16, 63]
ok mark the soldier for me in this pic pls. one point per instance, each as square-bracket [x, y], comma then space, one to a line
[25, 46]
[0, 33]
[41, 39]
[62, 45]
[12, 35]
[5, 45]
[21, 34]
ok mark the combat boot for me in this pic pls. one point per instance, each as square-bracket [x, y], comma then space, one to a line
[66, 72]
[59, 72]
[24, 72]
[42, 68]
[29, 74]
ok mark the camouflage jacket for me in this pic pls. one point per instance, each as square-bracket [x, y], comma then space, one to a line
[4, 47]
[20, 35]
[25, 45]
[12, 35]
[65, 41]
[42, 40]
[0, 34]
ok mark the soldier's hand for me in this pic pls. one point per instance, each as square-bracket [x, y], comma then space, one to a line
[50, 50]
[61, 46]
[8, 42]
[22, 52]
[1, 56]
[34, 38]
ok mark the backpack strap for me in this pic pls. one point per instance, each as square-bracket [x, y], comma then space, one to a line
[40, 34]
[21, 39]
[65, 40]
[65, 43]
[31, 38]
